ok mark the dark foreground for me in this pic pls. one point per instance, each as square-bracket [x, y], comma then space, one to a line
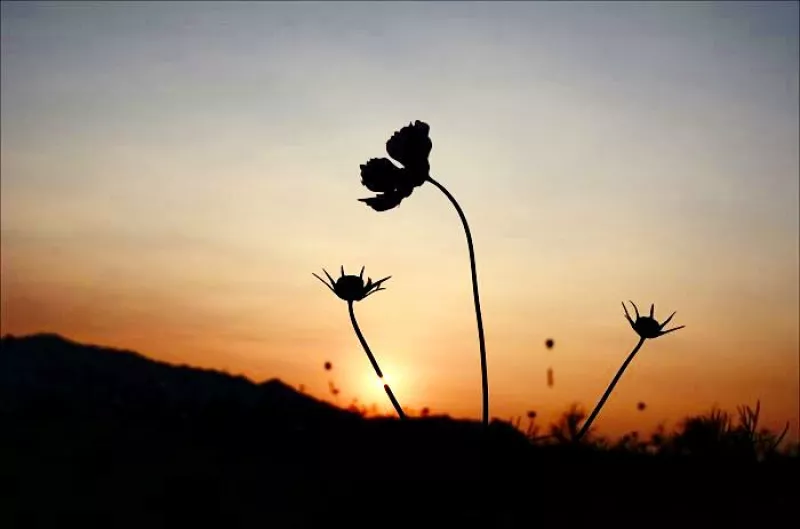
[90, 437]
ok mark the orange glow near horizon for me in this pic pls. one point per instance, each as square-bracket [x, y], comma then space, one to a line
[666, 374]
[169, 188]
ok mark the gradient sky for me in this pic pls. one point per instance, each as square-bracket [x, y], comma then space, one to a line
[172, 174]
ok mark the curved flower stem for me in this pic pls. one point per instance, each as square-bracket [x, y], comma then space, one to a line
[604, 398]
[476, 297]
[374, 362]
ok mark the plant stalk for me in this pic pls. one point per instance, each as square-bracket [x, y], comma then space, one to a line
[610, 388]
[374, 362]
[476, 298]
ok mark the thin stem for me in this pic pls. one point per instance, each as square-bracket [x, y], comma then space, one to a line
[476, 298]
[610, 388]
[373, 361]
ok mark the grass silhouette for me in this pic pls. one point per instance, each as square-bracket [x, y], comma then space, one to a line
[112, 438]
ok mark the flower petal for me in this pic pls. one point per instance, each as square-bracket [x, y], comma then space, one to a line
[380, 175]
[411, 146]
[670, 330]
[378, 283]
[384, 201]
[324, 282]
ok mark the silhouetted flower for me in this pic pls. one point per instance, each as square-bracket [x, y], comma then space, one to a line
[641, 406]
[352, 288]
[531, 414]
[549, 343]
[646, 326]
[410, 146]
[328, 366]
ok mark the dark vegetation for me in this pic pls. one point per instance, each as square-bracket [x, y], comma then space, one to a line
[98, 437]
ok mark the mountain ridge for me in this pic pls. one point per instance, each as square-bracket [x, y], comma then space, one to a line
[121, 437]
[48, 366]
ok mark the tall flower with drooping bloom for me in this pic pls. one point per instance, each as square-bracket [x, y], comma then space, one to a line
[410, 147]
[648, 328]
[352, 288]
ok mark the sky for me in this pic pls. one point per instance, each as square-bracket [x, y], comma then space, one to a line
[173, 173]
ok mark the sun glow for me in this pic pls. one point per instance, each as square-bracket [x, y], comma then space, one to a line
[374, 392]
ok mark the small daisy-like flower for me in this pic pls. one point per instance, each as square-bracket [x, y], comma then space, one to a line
[647, 326]
[352, 288]
[410, 146]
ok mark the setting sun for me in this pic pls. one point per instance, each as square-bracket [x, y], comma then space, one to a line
[374, 393]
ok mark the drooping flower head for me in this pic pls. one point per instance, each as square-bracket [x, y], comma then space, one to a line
[646, 326]
[410, 147]
[352, 288]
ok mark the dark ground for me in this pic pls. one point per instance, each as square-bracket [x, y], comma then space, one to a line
[94, 437]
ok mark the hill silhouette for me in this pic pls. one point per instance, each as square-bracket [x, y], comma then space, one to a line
[111, 438]
[87, 380]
